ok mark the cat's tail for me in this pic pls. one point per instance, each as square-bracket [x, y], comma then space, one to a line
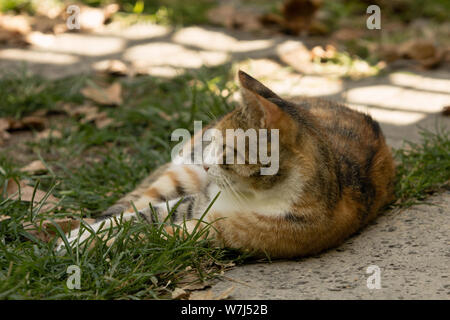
[168, 182]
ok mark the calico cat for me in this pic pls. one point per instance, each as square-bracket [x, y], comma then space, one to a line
[335, 173]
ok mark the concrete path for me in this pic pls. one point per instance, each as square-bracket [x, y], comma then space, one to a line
[411, 247]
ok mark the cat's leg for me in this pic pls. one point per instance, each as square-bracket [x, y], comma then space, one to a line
[175, 211]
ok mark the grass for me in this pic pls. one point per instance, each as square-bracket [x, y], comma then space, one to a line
[423, 168]
[91, 168]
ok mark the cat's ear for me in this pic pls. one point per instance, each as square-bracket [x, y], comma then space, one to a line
[256, 103]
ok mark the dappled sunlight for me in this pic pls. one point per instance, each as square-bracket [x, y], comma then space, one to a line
[38, 56]
[139, 31]
[395, 117]
[285, 82]
[81, 44]
[174, 55]
[420, 82]
[394, 97]
[215, 40]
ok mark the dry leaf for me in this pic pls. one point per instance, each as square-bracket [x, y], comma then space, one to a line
[232, 18]
[191, 281]
[201, 295]
[32, 122]
[103, 122]
[49, 134]
[297, 16]
[179, 294]
[26, 194]
[208, 294]
[84, 110]
[4, 124]
[446, 111]
[418, 49]
[107, 96]
[5, 217]
[34, 167]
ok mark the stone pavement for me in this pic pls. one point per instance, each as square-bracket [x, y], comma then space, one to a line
[411, 247]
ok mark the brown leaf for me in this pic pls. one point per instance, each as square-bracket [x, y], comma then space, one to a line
[29, 122]
[298, 14]
[49, 134]
[201, 295]
[4, 124]
[446, 111]
[4, 217]
[34, 167]
[418, 49]
[208, 294]
[103, 122]
[232, 18]
[106, 96]
[179, 294]
[26, 194]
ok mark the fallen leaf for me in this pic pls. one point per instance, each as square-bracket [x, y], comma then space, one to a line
[179, 294]
[83, 110]
[26, 194]
[297, 16]
[29, 122]
[106, 96]
[418, 49]
[201, 295]
[4, 124]
[446, 111]
[208, 294]
[49, 134]
[191, 281]
[233, 18]
[34, 167]
[423, 51]
[4, 217]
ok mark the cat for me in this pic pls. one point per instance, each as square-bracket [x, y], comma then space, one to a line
[335, 174]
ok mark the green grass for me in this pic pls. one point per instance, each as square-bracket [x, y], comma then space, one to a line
[90, 169]
[423, 168]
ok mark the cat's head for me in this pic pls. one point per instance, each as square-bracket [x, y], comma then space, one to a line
[263, 120]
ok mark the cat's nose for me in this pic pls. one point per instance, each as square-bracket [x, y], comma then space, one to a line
[206, 168]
